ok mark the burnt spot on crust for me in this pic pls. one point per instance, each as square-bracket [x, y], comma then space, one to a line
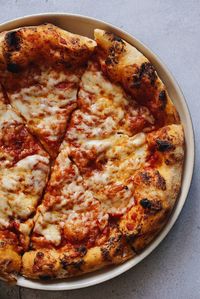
[13, 67]
[160, 181]
[164, 145]
[151, 206]
[40, 263]
[82, 250]
[113, 37]
[2, 244]
[66, 264]
[106, 254]
[110, 60]
[117, 48]
[146, 178]
[118, 39]
[13, 40]
[39, 254]
[146, 70]
[77, 264]
[119, 250]
[130, 238]
[145, 203]
[163, 99]
[114, 248]
[154, 178]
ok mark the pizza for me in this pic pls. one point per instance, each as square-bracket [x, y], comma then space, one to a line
[91, 152]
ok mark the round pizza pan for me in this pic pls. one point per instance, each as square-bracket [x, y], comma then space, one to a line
[85, 26]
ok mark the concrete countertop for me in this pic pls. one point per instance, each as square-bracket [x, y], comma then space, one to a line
[172, 30]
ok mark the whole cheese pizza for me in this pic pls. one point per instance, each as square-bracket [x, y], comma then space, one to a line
[91, 152]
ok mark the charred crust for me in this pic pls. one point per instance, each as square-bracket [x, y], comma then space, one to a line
[155, 178]
[66, 264]
[145, 203]
[160, 183]
[113, 248]
[164, 145]
[163, 99]
[151, 206]
[78, 264]
[130, 238]
[67, 64]
[117, 39]
[82, 250]
[146, 70]
[39, 254]
[110, 61]
[106, 254]
[113, 37]
[2, 244]
[146, 178]
[13, 67]
[13, 40]
[115, 50]
[119, 250]
[167, 162]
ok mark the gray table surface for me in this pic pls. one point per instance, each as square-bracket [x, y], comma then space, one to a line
[172, 30]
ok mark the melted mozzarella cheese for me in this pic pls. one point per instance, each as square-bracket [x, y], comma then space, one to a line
[26, 227]
[44, 105]
[124, 156]
[138, 140]
[93, 82]
[8, 116]
[30, 161]
[22, 185]
[106, 107]
[75, 210]
[85, 201]
[5, 210]
[99, 145]
[52, 233]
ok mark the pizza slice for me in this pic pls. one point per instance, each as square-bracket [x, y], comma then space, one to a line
[124, 64]
[104, 111]
[87, 221]
[156, 187]
[103, 144]
[108, 175]
[72, 233]
[106, 105]
[40, 69]
[24, 170]
[108, 165]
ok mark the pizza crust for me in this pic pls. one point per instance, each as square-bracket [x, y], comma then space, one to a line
[40, 69]
[23, 46]
[51, 263]
[10, 264]
[156, 190]
[124, 64]
[10, 259]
